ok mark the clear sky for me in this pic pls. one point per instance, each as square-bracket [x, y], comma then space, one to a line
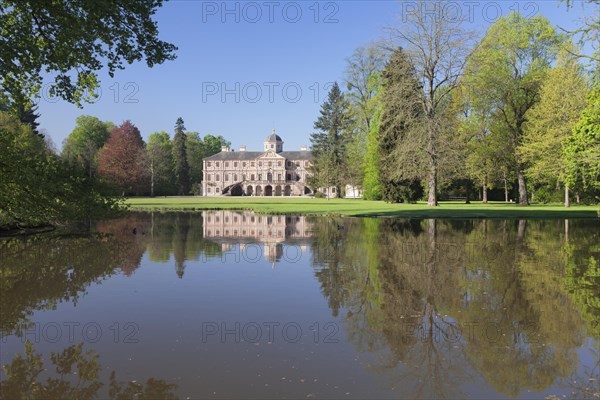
[244, 68]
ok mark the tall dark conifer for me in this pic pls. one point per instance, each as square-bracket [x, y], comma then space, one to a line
[182, 169]
[27, 115]
[328, 144]
[399, 141]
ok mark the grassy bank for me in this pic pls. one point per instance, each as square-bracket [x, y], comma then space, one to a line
[352, 207]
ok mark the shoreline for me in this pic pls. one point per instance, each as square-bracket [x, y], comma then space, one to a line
[362, 208]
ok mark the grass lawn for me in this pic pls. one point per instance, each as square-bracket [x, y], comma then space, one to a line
[358, 207]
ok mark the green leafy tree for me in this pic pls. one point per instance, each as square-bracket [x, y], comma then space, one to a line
[213, 144]
[73, 41]
[328, 144]
[371, 165]
[485, 140]
[507, 70]
[582, 149]
[37, 187]
[182, 169]
[83, 143]
[161, 166]
[361, 68]
[550, 123]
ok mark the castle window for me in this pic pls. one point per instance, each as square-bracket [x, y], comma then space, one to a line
[298, 164]
[289, 177]
[226, 177]
[234, 177]
[306, 163]
[209, 177]
[252, 163]
[226, 164]
[217, 177]
[209, 190]
[235, 164]
[278, 177]
[279, 163]
[272, 146]
[259, 177]
[260, 163]
[208, 163]
[270, 164]
[217, 164]
[252, 177]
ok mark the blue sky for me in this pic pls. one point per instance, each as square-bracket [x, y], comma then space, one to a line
[244, 68]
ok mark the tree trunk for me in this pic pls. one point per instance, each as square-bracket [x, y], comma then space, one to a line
[577, 197]
[432, 183]
[567, 199]
[522, 187]
[151, 179]
[505, 188]
[431, 150]
[485, 191]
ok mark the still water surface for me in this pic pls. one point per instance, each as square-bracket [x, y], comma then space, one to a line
[233, 304]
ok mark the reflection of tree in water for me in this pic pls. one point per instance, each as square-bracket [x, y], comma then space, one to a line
[41, 271]
[179, 234]
[24, 380]
[410, 287]
[132, 243]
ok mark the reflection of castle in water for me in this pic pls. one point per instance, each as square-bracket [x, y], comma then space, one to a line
[270, 232]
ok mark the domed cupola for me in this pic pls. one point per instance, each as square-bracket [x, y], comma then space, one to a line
[274, 142]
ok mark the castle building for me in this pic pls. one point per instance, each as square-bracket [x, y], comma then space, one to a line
[271, 172]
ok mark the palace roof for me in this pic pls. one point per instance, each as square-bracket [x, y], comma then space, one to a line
[251, 155]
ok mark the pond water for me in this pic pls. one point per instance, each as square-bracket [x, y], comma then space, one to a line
[238, 305]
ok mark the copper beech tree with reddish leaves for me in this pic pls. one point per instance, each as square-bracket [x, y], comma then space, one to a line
[121, 161]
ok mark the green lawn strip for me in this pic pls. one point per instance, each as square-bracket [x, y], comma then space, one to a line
[360, 208]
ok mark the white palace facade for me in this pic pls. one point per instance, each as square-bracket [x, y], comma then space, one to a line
[271, 172]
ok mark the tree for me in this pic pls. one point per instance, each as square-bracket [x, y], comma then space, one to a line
[485, 140]
[588, 33]
[213, 144]
[121, 160]
[195, 152]
[37, 187]
[361, 67]
[372, 160]
[182, 169]
[73, 41]
[437, 48]
[507, 70]
[83, 143]
[27, 115]
[401, 139]
[328, 145]
[550, 122]
[582, 149]
[159, 155]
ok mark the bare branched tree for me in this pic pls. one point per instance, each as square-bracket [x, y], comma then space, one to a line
[438, 47]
